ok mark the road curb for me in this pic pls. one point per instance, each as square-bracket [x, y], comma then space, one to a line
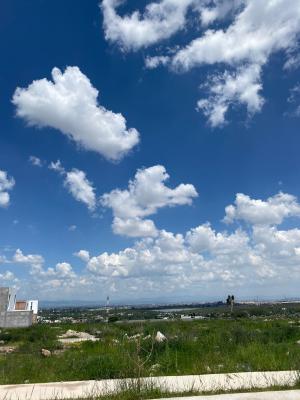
[172, 384]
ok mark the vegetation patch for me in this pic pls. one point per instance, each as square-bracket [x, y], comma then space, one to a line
[130, 350]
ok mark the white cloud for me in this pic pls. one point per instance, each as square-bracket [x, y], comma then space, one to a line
[145, 195]
[204, 256]
[251, 32]
[134, 227]
[72, 228]
[259, 29]
[3, 259]
[37, 162]
[259, 212]
[108, 265]
[199, 261]
[6, 184]
[154, 62]
[215, 10]
[77, 184]
[172, 256]
[81, 188]
[159, 21]
[57, 167]
[293, 61]
[69, 104]
[37, 262]
[7, 276]
[64, 270]
[84, 255]
[29, 259]
[294, 99]
[204, 239]
[240, 87]
[277, 251]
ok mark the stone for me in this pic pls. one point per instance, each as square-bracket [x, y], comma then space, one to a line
[72, 337]
[154, 367]
[58, 352]
[46, 353]
[7, 349]
[160, 337]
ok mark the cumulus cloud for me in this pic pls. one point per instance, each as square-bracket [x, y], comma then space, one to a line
[77, 184]
[258, 30]
[84, 255]
[69, 104]
[6, 184]
[240, 87]
[172, 257]
[81, 188]
[252, 31]
[260, 212]
[7, 276]
[134, 227]
[205, 256]
[215, 10]
[201, 258]
[62, 272]
[160, 20]
[146, 194]
[29, 259]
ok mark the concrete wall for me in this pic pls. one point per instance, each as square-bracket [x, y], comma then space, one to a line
[4, 292]
[16, 319]
[12, 299]
[33, 305]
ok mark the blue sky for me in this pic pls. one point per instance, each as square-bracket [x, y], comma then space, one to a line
[152, 63]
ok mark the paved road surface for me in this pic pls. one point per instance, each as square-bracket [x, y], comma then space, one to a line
[173, 384]
[281, 395]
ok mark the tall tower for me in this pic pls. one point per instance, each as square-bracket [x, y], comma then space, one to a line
[107, 304]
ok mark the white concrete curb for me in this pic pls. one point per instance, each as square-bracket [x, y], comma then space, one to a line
[173, 384]
[280, 395]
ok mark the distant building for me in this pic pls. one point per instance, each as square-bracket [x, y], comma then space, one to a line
[16, 313]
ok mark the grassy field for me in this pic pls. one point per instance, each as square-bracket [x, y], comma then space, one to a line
[196, 347]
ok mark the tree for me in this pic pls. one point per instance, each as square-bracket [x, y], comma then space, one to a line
[230, 302]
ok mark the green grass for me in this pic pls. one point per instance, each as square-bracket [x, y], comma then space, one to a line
[196, 347]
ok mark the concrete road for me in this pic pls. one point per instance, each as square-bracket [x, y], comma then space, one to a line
[280, 395]
[171, 384]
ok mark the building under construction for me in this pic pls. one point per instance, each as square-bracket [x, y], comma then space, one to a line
[16, 313]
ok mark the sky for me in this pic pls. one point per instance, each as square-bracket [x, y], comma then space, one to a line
[149, 150]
